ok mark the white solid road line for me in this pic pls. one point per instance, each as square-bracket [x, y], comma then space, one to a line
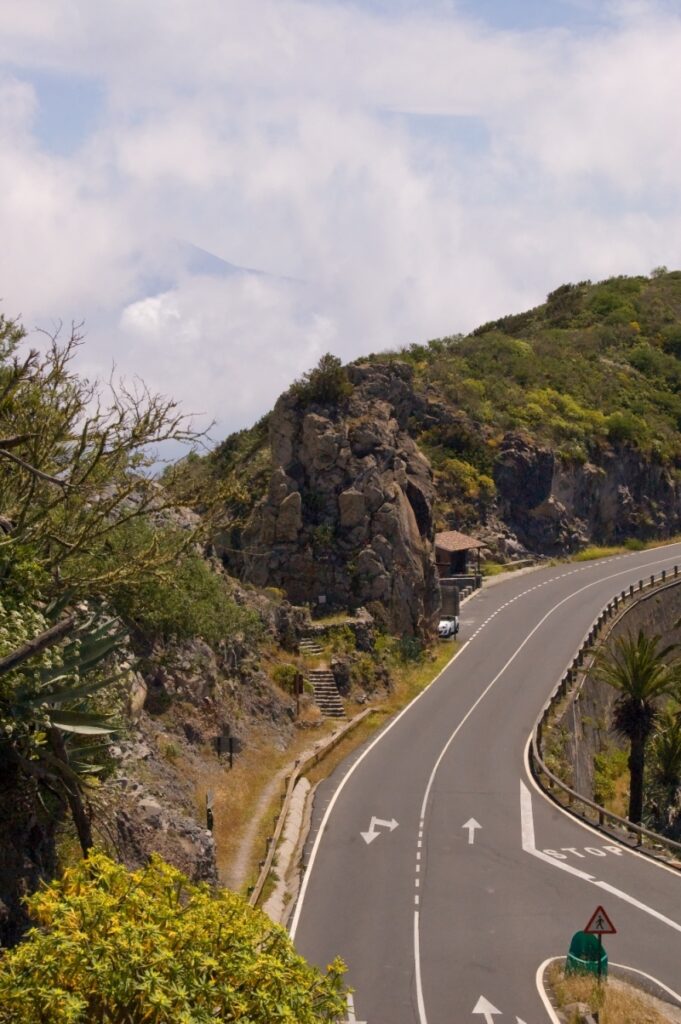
[398, 717]
[528, 843]
[541, 989]
[539, 981]
[346, 777]
[417, 965]
[584, 824]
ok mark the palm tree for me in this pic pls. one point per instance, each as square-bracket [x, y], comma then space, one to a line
[637, 667]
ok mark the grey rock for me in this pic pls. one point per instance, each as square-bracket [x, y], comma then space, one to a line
[289, 520]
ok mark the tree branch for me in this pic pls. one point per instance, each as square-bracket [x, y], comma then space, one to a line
[38, 644]
[32, 469]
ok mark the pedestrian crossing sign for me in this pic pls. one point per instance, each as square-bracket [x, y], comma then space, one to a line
[600, 924]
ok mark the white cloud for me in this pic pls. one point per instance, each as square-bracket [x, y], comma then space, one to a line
[319, 141]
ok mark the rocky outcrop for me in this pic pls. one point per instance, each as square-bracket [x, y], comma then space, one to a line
[347, 519]
[555, 505]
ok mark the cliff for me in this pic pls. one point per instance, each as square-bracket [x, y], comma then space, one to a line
[347, 517]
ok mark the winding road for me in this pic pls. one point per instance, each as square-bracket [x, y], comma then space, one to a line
[436, 867]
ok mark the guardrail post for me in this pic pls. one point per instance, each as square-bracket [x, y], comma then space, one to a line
[640, 584]
[631, 590]
[664, 575]
[676, 570]
[652, 580]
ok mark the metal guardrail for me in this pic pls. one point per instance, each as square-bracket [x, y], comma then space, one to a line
[299, 769]
[570, 685]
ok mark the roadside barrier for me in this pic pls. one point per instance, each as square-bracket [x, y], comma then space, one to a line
[299, 769]
[568, 690]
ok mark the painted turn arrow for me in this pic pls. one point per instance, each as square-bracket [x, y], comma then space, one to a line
[471, 825]
[369, 836]
[484, 1007]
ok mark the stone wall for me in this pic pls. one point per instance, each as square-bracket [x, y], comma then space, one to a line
[584, 729]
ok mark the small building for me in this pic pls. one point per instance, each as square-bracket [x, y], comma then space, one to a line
[456, 554]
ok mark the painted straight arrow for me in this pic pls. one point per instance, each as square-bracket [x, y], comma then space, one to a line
[369, 836]
[471, 825]
[486, 1008]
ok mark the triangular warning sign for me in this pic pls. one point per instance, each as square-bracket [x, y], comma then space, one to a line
[600, 924]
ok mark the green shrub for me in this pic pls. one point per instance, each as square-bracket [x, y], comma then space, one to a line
[609, 766]
[625, 426]
[114, 947]
[285, 676]
[326, 384]
[343, 640]
[190, 600]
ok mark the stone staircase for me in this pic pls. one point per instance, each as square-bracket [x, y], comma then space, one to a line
[308, 646]
[326, 694]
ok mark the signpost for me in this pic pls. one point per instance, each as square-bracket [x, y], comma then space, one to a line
[600, 925]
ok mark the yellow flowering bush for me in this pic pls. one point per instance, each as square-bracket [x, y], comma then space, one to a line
[149, 947]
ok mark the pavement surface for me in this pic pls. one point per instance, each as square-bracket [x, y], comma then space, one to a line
[435, 866]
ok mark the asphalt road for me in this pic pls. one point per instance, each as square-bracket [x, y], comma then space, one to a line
[453, 903]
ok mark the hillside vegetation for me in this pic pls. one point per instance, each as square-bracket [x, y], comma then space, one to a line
[596, 364]
[594, 370]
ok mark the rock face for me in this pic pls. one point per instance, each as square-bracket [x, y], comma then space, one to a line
[555, 506]
[347, 520]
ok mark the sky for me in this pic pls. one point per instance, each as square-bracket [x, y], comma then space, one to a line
[224, 190]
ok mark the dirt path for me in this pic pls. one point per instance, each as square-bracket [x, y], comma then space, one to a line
[239, 870]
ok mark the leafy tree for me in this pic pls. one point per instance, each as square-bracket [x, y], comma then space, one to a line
[74, 468]
[111, 947]
[637, 667]
[74, 475]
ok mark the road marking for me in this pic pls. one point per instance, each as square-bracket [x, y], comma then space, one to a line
[541, 970]
[471, 825]
[352, 1019]
[353, 767]
[650, 861]
[486, 1008]
[346, 778]
[369, 836]
[529, 847]
[649, 977]
[417, 961]
[537, 853]
[593, 851]
[549, 613]
[539, 982]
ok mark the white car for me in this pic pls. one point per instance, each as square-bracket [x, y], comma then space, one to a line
[448, 626]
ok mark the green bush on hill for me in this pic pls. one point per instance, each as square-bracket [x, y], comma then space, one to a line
[189, 600]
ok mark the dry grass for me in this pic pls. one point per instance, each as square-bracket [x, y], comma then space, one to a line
[251, 788]
[587, 554]
[409, 680]
[615, 1003]
[241, 794]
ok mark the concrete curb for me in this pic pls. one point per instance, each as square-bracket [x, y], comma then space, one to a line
[299, 768]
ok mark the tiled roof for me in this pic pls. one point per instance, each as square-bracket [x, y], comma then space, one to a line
[452, 540]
